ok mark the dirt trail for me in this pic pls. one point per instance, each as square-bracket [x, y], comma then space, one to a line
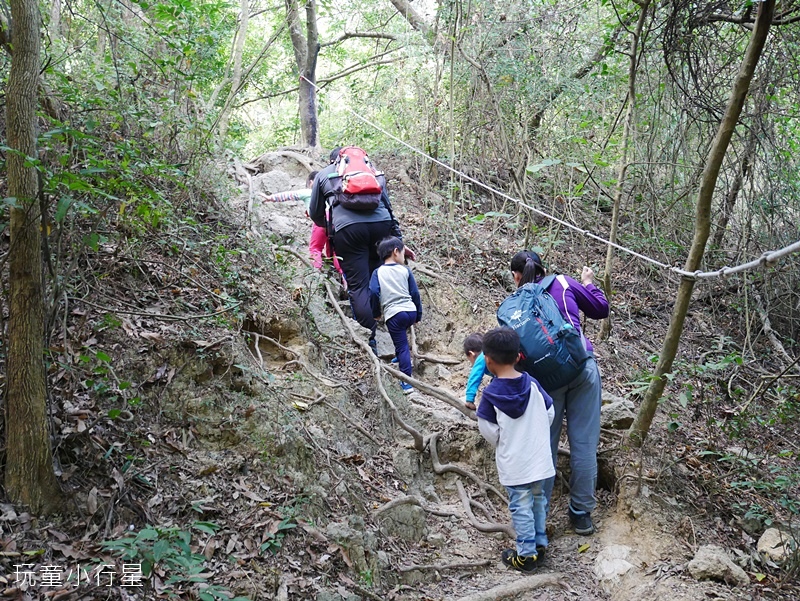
[636, 536]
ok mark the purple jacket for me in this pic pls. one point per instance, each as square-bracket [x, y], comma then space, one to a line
[577, 297]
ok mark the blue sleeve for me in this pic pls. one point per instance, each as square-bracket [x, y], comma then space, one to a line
[548, 400]
[375, 294]
[487, 411]
[475, 378]
[414, 292]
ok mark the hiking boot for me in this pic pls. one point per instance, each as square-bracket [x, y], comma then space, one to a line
[519, 562]
[540, 551]
[407, 388]
[373, 344]
[581, 522]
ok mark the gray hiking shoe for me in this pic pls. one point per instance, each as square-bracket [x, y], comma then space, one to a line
[581, 522]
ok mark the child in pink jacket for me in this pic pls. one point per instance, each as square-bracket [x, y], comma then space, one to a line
[319, 241]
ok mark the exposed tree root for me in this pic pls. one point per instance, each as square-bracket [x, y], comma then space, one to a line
[298, 360]
[523, 585]
[447, 566]
[430, 358]
[434, 391]
[411, 500]
[482, 526]
[441, 468]
[350, 421]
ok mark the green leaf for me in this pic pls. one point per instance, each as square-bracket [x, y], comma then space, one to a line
[160, 550]
[103, 356]
[207, 527]
[539, 166]
[62, 207]
[92, 241]
[578, 166]
[147, 534]
[114, 413]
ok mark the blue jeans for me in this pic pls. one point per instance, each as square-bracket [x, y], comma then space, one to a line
[397, 325]
[527, 504]
[580, 401]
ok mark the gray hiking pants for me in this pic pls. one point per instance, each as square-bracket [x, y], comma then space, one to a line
[579, 401]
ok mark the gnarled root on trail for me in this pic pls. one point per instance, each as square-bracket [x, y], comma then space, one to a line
[441, 468]
[482, 526]
[419, 441]
[425, 357]
[411, 500]
[434, 391]
[523, 585]
[464, 565]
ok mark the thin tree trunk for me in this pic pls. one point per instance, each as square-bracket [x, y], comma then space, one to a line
[306, 50]
[644, 417]
[54, 27]
[236, 79]
[736, 187]
[622, 170]
[29, 477]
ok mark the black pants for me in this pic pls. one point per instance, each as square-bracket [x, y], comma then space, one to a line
[356, 244]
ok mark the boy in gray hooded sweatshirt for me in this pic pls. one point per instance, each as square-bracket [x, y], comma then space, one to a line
[514, 416]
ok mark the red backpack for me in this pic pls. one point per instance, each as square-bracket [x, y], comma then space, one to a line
[361, 183]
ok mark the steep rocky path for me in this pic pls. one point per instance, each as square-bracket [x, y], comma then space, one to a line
[426, 547]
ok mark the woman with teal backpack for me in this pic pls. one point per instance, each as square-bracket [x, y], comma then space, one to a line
[579, 400]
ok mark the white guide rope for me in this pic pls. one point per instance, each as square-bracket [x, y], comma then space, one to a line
[767, 259]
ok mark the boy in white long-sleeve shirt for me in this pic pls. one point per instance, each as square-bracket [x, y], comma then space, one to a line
[514, 415]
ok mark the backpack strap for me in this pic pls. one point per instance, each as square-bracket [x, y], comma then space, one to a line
[547, 281]
[565, 284]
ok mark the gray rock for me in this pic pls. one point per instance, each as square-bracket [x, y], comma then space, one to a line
[618, 415]
[275, 181]
[443, 373]
[404, 521]
[776, 545]
[437, 539]
[407, 463]
[328, 323]
[612, 562]
[359, 544]
[712, 562]
[281, 225]
[385, 344]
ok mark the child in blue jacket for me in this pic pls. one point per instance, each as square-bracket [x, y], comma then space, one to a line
[473, 349]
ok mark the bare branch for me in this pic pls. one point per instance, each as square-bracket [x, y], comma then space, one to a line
[359, 34]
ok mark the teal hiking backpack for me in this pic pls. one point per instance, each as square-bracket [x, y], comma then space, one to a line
[554, 352]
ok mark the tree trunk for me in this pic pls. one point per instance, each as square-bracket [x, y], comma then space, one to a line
[236, 78]
[29, 477]
[644, 418]
[55, 20]
[736, 187]
[306, 50]
[622, 170]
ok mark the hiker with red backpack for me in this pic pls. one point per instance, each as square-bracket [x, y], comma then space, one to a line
[563, 362]
[349, 198]
[318, 243]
